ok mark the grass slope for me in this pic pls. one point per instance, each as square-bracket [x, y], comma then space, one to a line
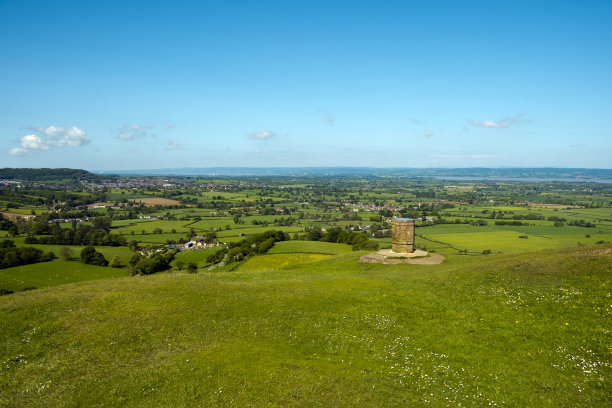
[515, 330]
[53, 273]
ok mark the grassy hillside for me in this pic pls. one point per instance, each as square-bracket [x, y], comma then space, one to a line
[515, 330]
[53, 273]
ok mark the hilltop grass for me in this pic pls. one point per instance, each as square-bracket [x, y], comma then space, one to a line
[514, 330]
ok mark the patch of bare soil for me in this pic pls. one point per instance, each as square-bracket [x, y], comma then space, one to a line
[13, 216]
[388, 257]
[601, 251]
[554, 206]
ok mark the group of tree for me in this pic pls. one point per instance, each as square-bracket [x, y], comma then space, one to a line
[11, 255]
[581, 223]
[256, 244]
[89, 255]
[8, 225]
[80, 234]
[147, 265]
[358, 240]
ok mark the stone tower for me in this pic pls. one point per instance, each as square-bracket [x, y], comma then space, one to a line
[402, 239]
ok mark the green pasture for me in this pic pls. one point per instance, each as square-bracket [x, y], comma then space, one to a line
[109, 252]
[118, 224]
[53, 273]
[309, 247]
[197, 256]
[156, 238]
[165, 225]
[255, 229]
[208, 224]
[497, 241]
[520, 330]
[278, 261]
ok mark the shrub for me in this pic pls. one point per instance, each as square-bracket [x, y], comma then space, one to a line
[116, 262]
[66, 253]
[31, 240]
[89, 255]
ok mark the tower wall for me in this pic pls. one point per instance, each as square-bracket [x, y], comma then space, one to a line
[402, 235]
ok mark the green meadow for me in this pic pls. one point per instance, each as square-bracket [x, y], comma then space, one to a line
[529, 329]
[54, 273]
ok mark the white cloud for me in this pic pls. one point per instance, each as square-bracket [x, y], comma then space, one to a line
[173, 145]
[502, 123]
[33, 142]
[17, 151]
[49, 137]
[428, 133]
[170, 125]
[261, 135]
[129, 131]
[576, 144]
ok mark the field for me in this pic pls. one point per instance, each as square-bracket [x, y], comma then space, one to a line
[150, 202]
[499, 330]
[278, 261]
[53, 273]
[518, 314]
[309, 247]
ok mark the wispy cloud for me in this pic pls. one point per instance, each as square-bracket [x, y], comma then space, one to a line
[418, 122]
[46, 138]
[329, 117]
[261, 135]
[173, 145]
[576, 144]
[130, 131]
[464, 156]
[428, 133]
[169, 125]
[501, 123]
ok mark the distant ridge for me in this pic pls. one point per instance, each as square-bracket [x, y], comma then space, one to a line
[477, 172]
[46, 174]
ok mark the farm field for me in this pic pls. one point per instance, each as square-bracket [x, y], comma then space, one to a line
[507, 330]
[54, 273]
[309, 247]
[279, 261]
[197, 256]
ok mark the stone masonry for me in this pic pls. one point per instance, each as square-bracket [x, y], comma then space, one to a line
[402, 238]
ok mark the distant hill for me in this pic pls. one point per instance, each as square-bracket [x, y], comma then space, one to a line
[45, 174]
[540, 173]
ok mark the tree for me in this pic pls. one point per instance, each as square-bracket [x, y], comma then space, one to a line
[102, 223]
[116, 262]
[134, 259]
[89, 255]
[192, 267]
[179, 265]
[66, 253]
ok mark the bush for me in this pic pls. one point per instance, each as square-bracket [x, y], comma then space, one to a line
[31, 240]
[89, 255]
[66, 253]
[192, 267]
[116, 262]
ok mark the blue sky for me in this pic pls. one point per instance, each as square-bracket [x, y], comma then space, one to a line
[130, 85]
